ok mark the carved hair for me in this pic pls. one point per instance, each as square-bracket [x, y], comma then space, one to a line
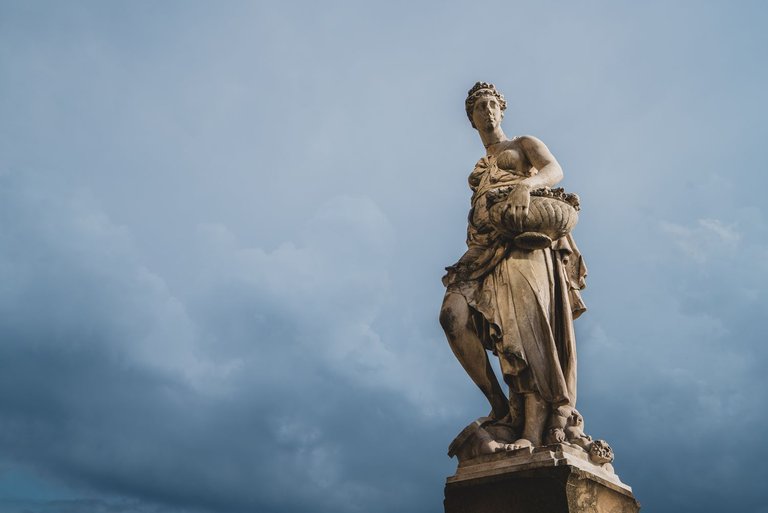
[479, 90]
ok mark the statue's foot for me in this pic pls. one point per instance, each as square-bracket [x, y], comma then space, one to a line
[522, 443]
[493, 447]
[555, 436]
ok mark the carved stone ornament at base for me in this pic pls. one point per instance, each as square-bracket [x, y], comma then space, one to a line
[486, 436]
[553, 479]
[529, 457]
[515, 294]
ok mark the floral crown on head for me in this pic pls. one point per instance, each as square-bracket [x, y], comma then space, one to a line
[482, 89]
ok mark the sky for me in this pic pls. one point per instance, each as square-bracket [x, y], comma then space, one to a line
[223, 227]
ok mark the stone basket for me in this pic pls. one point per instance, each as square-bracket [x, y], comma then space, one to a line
[552, 214]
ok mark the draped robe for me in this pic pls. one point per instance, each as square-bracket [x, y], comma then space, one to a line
[523, 301]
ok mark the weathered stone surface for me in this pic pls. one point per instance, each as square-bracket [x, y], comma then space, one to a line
[516, 290]
[553, 479]
[515, 294]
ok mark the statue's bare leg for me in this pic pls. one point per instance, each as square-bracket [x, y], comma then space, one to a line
[456, 320]
[516, 411]
[536, 413]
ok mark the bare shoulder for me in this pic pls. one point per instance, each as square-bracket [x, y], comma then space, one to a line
[534, 147]
[541, 158]
[529, 141]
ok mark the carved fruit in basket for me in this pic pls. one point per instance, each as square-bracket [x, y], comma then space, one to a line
[552, 214]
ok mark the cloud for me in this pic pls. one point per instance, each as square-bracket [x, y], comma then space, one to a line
[677, 362]
[708, 236]
[83, 505]
[222, 233]
[263, 369]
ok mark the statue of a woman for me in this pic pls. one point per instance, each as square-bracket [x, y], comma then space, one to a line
[517, 303]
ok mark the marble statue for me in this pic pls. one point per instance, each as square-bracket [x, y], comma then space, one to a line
[515, 292]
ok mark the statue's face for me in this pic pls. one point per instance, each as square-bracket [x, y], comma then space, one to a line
[486, 114]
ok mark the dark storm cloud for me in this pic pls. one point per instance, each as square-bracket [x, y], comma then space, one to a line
[227, 400]
[694, 338]
[91, 505]
[222, 233]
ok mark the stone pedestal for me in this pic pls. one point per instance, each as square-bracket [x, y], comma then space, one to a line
[552, 479]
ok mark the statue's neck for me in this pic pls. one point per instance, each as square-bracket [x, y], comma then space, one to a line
[492, 137]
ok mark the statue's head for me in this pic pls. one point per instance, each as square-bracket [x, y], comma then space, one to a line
[484, 104]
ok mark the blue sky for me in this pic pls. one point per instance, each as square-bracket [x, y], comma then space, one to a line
[223, 227]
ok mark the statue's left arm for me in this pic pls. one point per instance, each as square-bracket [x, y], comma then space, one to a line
[550, 173]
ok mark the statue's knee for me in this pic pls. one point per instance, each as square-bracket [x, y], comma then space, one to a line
[453, 314]
[447, 319]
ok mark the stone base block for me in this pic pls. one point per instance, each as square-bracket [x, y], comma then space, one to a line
[545, 480]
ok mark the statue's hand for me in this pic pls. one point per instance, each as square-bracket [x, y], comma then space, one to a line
[517, 204]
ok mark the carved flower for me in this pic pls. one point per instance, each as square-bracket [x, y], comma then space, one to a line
[600, 452]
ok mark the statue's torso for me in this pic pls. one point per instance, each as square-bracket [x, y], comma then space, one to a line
[504, 165]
